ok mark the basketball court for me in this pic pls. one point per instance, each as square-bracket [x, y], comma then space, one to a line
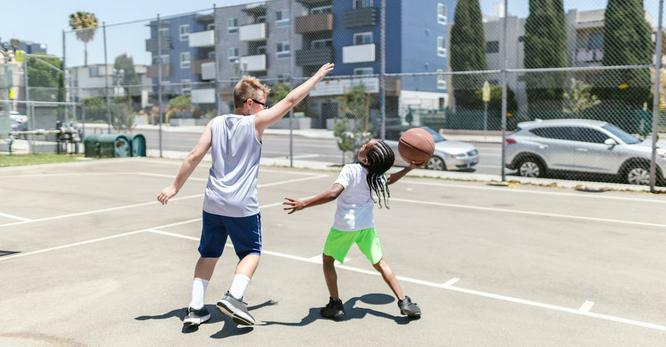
[89, 257]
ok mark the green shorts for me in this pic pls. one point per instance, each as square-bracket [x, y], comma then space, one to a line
[339, 242]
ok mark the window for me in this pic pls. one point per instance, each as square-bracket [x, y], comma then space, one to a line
[185, 60]
[261, 50]
[210, 26]
[441, 46]
[556, 133]
[283, 50]
[164, 59]
[323, 43]
[441, 14]
[492, 47]
[361, 3]
[282, 18]
[232, 54]
[184, 32]
[186, 86]
[94, 71]
[363, 38]
[260, 19]
[232, 25]
[321, 10]
[589, 135]
[441, 79]
[211, 55]
[626, 138]
[363, 71]
[595, 40]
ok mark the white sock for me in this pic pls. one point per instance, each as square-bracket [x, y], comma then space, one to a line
[238, 285]
[198, 293]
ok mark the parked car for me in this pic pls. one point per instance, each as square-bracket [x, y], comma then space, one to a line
[19, 122]
[581, 146]
[449, 155]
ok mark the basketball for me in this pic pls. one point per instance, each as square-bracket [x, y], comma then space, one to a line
[416, 145]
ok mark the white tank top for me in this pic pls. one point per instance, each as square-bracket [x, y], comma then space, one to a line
[232, 181]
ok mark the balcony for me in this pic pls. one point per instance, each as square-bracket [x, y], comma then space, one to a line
[318, 56]
[203, 96]
[253, 63]
[314, 23]
[203, 39]
[315, 3]
[151, 44]
[360, 17]
[198, 65]
[358, 53]
[208, 71]
[252, 32]
[153, 69]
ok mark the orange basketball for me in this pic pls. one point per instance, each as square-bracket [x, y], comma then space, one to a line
[416, 145]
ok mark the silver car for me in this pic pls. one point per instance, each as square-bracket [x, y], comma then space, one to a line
[577, 145]
[449, 155]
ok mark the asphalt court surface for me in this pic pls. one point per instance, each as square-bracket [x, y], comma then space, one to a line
[88, 257]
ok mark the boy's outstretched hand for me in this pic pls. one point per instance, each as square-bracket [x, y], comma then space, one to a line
[293, 205]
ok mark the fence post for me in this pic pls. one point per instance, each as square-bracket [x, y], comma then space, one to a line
[504, 91]
[106, 82]
[655, 102]
[382, 70]
[291, 83]
[159, 79]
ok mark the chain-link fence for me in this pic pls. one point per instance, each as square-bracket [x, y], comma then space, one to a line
[556, 88]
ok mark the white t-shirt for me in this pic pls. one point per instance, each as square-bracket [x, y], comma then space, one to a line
[355, 204]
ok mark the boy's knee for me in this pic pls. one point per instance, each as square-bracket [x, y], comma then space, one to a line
[327, 260]
[379, 266]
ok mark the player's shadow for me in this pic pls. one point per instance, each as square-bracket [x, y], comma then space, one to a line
[229, 328]
[351, 312]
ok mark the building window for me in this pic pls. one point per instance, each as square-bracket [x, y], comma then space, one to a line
[321, 10]
[441, 14]
[185, 60]
[260, 19]
[94, 72]
[282, 18]
[210, 26]
[232, 25]
[261, 50]
[164, 59]
[211, 55]
[441, 46]
[363, 38]
[184, 32]
[283, 50]
[186, 86]
[363, 71]
[441, 79]
[492, 47]
[361, 3]
[232, 54]
[323, 43]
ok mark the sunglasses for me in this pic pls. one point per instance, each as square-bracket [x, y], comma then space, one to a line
[263, 104]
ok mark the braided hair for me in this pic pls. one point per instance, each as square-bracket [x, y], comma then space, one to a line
[380, 159]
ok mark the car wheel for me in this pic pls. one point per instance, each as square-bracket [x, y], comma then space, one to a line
[530, 167]
[638, 174]
[436, 163]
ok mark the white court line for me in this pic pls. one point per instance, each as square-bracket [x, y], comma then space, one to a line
[586, 306]
[526, 191]
[532, 213]
[317, 259]
[312, 177]
[449, 286]
[11, 216]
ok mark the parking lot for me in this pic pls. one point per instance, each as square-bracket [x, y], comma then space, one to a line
[88, 257]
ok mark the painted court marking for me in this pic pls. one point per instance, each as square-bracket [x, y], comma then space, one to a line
[586, 306]
[11, 216]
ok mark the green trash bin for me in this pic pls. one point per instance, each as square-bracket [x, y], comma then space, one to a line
[114, 145]
[138, 145]
[91, 146]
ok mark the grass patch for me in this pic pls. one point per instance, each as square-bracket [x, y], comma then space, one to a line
[34, 159]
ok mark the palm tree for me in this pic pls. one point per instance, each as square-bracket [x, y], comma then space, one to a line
[85, 25]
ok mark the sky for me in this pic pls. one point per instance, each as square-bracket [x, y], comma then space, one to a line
[44, 20]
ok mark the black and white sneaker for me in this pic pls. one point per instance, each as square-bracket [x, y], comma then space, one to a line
[409, 308]
[333, 310]
[195, 317]
[236, 309]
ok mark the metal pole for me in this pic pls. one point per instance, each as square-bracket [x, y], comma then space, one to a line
[655, 102]
[216, 39]
[159, 79]
[27, 99]
[382, 70]
[106, 82]
[485, 118]
[291, 85]
[504, 91]
[65, 79]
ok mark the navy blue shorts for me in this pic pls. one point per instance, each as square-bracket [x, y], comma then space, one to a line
[245, 234]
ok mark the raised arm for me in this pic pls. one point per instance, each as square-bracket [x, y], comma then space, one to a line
[272, 115]
[394, 177]
[189, 164]
[293, 205]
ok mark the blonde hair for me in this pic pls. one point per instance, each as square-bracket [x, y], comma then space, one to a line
[249, 87]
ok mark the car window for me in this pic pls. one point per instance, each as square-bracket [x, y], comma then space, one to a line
[626, 138]
[557, 133]
[589, 135]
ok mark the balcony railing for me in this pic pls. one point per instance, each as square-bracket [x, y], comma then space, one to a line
[314, 23]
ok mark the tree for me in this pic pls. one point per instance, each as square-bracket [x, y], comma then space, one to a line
[181, 103]
[85, 25]
[278, 92]
[627, 41]
[545, 47]
[126, 76]
[467, 53]
[355, 105]
[46, 83]
[579, 98]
